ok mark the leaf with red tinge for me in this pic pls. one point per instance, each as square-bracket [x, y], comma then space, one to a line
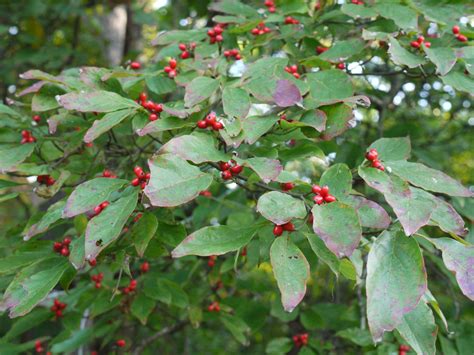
[286, 94]
[338, 225]
[337, 122]
[174, 181]
[459, 259]
[91, 193]
[280, 208]
[200, 89]
[106, 227]
[291, 270]
[413, 213]
[371, 214]
[267, 169]
[197, 147]
[396, 281]
[314, 118]
[106, 123]
[96, 101]
[215, 240]
[429, 179]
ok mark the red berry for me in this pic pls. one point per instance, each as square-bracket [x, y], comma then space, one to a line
[217, 126]
[277, 230]
[202, 124]
[404, 347]
[318, 199]
[173, 63]
[185, 55]
[219, 38]
[289, 227]
[133, 284]
[98, 285]
[145, 267]
[57, 246]
[120, 343]
[147, 176]
[236, 169]
[65, 251]
[226, 175]
[316, 189]
[329, 198]
[415, 44]
[420, 39]
[135, 182]
[320, 49]
[104, 204]
[456, 29]
[324, 191]
[255, 31]
[341, 66]
[287, 186]
[135, 65]
[224, 166]
[143, 185]
[172, 74]
[59, 314]
[427, 44]
[36, 118]
[107, 173]
[152, 117]
[182, 47]
[310, 218]
[92, 262]
[372, 154]
[67, 241]
[461, 38]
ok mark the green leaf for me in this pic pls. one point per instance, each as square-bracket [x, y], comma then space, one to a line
[143, 231]
[77, 255]
[401, 56]
[279, 346]
[267, 169]
[443, 57]
[52, 215]
[164, 124]
[342, 50]
[429, 179]
[327, 87]
[9, 196]
[358, 11]
[337, 224]
[104, 228]
[216, 240]
[198, 148]
[96, 101]
[168, 37]
[256, 126]
[390, 149]
[338, 117]
[291, 270]
[91, 193]
[174, 181]
[5, 184]
[160, 85]
[314, 118]
[4, 109]
[12, 155]
[358, 336]
[142, 306]
[402, 15]
[238, 328]
[234, 7]
[35, 318]
[236, 102]
[412, 213]
[323, 253]
[199, 89]
[339, 180]
[45, 98]
[31, 285]
[106, 123]
[459, 81]
[418, 328]
[458, 258]
[396, 281]
[77, 338]
[280, 208]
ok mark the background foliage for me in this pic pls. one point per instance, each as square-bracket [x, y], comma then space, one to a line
[420, 98]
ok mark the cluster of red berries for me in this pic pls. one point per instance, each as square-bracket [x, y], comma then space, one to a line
[372, 156]
[232, 53]
[287, 186]
[300, 339]
[261, 29]
[27, 137]
[419, 41]
[108, 174]
[154, 108]
[39, 347]
[99, 208]
[229, 169]
[214, 307]
[131, 287]
[211, 260]
[278, 229]
[293, 70]
[120, 343]
[403, 349]
[322, 194]
[47, 180]
[170, 69]
[341, 66]
[215, 33]
[291, 21]
[98, 279]
[357, 2]
[62, 247]
[141, 179]
[187, 52]
[135, 65]
[210, 121]
[36, 118]
[145, 267]
[58, 308]
[457, 33]
[270, 4]
[321, 49]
